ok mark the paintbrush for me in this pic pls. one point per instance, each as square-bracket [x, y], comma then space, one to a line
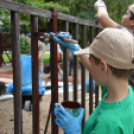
[47, 35]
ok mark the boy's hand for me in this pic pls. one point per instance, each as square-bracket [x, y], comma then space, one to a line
[71, 47]
[66, 121]
[98, 4]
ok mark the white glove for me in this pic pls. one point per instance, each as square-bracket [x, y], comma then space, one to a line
[98, 4]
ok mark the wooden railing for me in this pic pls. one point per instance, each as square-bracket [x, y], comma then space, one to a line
[54, 16]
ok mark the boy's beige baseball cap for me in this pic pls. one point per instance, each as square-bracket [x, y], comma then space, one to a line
[131, 8]
[115, 46]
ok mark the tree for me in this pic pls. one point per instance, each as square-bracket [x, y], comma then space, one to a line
[24, 45]
[79, 8]
[5, 22]
[85, 8]
[5, 25]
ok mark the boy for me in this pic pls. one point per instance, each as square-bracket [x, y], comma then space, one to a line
[127, 23]
[111, 70]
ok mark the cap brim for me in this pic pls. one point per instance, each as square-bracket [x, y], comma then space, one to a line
[82, 52]
[131, 8]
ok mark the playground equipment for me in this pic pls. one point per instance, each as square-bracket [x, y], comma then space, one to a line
[26, 83]
[5, 45]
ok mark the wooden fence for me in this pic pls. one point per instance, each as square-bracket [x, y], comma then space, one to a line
[54, 16]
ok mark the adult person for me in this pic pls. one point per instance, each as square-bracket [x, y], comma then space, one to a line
[59, 54]
[41, 50]
[127, 23]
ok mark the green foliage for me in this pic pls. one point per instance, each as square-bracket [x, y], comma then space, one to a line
[5, 29]
[5, 21]
[24, 29]
[85, 9]
[79, 8]
[60, 8]
[24, 45]
[5, 25]
[43, 25]
[25, 18]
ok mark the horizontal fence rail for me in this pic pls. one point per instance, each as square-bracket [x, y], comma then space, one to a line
[54, 16]
[43, 13]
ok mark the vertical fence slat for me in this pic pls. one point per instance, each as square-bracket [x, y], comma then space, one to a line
[35, 81]
[1, 51]
[83, 42]
[65, 64]
[90, 94]
[97, 88]
[16, 73]
[91, 36]
[96, 96]
[54, 69]
[75, 65]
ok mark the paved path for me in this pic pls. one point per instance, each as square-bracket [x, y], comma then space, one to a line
[8, 67]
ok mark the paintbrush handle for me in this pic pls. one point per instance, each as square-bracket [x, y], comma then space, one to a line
[64, 39]
[70, 40]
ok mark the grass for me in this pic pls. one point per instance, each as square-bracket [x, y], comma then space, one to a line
[46, 58]
[5, 58]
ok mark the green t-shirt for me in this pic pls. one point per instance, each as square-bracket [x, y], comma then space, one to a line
[112, 118]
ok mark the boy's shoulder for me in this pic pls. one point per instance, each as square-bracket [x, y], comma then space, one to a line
[125, 28]
[104, 90]
[116, 119]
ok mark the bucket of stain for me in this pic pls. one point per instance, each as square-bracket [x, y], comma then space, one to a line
[72, 107]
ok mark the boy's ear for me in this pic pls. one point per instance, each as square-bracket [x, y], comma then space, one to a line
[133, 23]
[104, 67]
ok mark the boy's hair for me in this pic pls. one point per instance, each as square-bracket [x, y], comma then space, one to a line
[119, 73]
[132, 16]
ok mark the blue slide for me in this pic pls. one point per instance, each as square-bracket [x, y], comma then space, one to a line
[26, 78]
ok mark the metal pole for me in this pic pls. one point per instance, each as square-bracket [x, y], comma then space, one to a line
[75, 65]
[54, 69]
[91, 36]
[83, 30]
[65, 64]
[35, 79]
[16, 73]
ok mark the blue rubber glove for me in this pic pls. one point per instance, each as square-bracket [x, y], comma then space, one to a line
[71, 47]
[66, 121]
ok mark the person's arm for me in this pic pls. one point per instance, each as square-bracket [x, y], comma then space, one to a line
[104, 19]
[40, 54]
[72, 48]
[102, 15]
[41, 49]
[85, 61]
